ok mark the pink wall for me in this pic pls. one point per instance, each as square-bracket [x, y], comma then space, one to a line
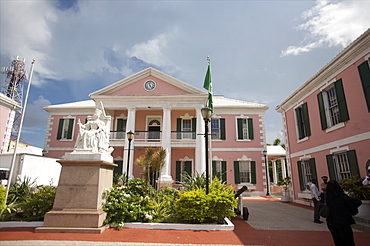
[4, 117]
[162, 88]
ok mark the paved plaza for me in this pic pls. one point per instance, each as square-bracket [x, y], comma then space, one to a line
[271, 222]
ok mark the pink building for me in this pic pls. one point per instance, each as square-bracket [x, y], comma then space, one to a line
[8, 108]
[327, 120]
[165, 112]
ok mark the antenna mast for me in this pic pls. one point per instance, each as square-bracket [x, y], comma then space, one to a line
[13, 88]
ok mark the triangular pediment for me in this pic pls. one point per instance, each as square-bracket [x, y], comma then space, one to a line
[134, 85]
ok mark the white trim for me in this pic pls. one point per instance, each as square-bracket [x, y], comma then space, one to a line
[237, 149]
[334, 144]
[306, 157]
[338, 150]
[335, 127]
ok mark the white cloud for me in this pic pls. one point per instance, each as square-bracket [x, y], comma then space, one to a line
[153, 51]
[35, 115]
[332, 23]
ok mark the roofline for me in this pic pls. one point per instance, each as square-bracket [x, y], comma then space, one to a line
[359, 47]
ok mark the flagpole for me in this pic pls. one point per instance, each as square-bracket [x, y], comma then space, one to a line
[19, 134]
[210, 141]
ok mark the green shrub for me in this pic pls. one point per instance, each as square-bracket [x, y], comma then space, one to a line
[353, 185]
[2, 195]
[38, 203]
[128, 204]
[196, 206]
[163, 201]
[196, 182]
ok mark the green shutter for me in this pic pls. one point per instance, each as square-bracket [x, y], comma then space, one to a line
[240, 128]
[253, 172]
[250, 128]
[118, 169]
[60, 128]
[119, 125]
[236, 172]
[70, 129]
[300, 174]
[188, 167]
[352, 159]
[313, 168]
[222, 126]
[306, 119]
[224, 171]
[331, 170]
[320, 99]
[194, 127]
[214, 173]
[341, 99]
[179, 127]
[178, 171]
[298, 112]
[364, 71]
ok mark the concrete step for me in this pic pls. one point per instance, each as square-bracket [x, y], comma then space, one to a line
[362, 224]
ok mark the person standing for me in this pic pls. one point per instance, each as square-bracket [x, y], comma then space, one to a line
[340, 218]
[316, 200]
[324, 183]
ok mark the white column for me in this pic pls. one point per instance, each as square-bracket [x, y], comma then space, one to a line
[166, 145]
[200, 154]
[274, 171]
[130, 126]
[283, 167]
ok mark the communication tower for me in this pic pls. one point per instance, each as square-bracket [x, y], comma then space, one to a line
[13, 88]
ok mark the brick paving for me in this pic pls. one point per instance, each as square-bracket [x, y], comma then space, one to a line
[270, 222]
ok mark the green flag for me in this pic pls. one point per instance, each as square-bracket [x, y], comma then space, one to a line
[208, 86]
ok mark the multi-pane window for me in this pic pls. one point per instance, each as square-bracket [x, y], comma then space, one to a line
[215, 129]
[245, 128]
[364, 71]
[120, 129]
[219, 170]
[342, 164]
[306, 172]
[245, 171]
[183, 168]
[332, 105]
[186, 127]
[303, 122]
[65, 128]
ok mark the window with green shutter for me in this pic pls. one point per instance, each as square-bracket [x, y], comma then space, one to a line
[303, 121]
[183, 167]
[219, 170]
[364, 71]
[218, 128]
[306, 172]
[245, 128]
[65, 129]
[332, 105]
[245, 172]
[342, 165]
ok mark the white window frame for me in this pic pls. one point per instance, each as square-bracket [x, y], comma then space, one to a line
[306, 172]
[342, 167]
[247, 167]
[218, 133]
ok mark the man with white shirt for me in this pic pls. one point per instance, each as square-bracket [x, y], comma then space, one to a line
[316, 200]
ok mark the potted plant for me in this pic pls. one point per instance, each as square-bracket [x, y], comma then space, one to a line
[354, 187]
[285, 183]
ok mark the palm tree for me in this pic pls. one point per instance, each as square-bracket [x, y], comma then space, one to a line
[152, 163]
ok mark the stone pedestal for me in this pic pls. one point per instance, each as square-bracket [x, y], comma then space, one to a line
[79, 197]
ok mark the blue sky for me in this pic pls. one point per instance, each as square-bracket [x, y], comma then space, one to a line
[261, 51]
